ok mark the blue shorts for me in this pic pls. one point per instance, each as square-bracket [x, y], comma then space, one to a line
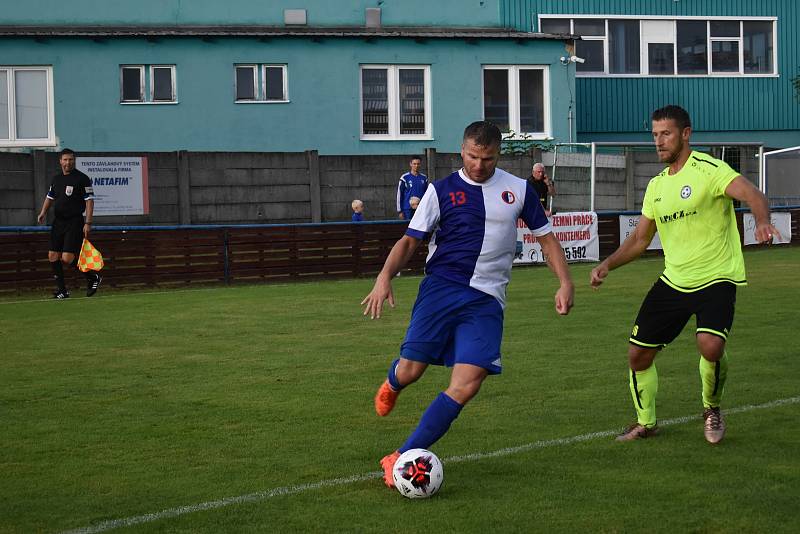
[452, 323]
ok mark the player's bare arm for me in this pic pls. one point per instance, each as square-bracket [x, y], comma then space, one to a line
[399, 256]
[565, 295]
[741, 189]
[43, 213]
[629, 250]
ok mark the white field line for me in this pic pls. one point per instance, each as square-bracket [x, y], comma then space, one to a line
[302, 488]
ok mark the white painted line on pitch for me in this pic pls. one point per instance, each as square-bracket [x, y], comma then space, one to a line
[301, 488]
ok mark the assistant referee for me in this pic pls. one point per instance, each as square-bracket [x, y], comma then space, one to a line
[70, 194]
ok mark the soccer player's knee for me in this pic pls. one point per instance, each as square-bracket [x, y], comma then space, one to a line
[640, 359]
[711, 347]
[408, 372]
[463, 392]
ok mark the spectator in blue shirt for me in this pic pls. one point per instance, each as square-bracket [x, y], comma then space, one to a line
[412, 184]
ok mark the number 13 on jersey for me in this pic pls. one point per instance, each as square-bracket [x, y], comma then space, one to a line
[458, 198]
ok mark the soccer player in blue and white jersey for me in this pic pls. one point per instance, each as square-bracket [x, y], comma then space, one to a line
[470, 218]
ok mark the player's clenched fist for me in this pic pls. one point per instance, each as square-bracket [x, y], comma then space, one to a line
[598, 275]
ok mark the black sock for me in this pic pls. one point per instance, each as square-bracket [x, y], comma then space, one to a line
[58, 274]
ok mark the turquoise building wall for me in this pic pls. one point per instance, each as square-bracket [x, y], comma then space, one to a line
[762, 109]
[323, 73]
[323, 88]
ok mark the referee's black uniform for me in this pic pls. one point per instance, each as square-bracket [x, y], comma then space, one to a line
[69, 193]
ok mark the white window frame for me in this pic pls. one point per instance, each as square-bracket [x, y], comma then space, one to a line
[254, 68]
[173, 83]
[393, 98]
[643, 45]
[13, 140]
[514, 100]
[739, 42]
[260, 83]
[140, 68]
[147, 87]
[284, 77]
[648, 38]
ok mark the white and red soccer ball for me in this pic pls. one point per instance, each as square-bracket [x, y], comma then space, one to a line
[418, 474]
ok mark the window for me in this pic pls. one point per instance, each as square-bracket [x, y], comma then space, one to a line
[132, 84]
[395, 102]
[26, 106]
[757, 44]
[663, 46]
[591, 46]
[692, 47]
[623, 47]
[261, 83]
[147, 84]
[516, 99]
[162, 88]
[246, 83]
[660, 59]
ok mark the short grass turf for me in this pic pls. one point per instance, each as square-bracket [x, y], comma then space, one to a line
[125, 405]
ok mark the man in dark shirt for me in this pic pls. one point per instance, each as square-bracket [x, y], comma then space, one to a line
[70, 195]
[543, 185]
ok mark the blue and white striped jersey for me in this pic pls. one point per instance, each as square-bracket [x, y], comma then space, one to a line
[473, 228]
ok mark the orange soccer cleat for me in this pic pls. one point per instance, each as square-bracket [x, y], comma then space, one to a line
[387, 463]
[385, 399]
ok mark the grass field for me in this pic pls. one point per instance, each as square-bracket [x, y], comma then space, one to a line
[249, 409]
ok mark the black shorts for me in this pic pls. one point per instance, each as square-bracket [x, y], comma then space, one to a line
[66, 235]
[665, 311]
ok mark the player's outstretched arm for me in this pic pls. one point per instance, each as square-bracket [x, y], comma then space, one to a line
[628, 251]
[741, 189]
[401, 252]
[558, 263]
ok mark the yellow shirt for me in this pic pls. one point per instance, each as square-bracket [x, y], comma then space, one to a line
[696, 223]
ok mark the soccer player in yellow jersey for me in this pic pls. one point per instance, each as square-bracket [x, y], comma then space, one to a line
[690, 204]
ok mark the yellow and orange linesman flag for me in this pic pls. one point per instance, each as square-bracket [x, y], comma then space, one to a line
[90, 258]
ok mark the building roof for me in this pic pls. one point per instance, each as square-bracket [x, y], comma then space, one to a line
[275, 31]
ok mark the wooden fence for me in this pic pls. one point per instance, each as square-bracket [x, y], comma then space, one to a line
[141, 257]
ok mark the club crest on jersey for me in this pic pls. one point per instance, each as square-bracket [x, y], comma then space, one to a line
[68, 191]
[686, 192]
[508, 197]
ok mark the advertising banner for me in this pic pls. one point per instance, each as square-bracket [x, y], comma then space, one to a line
[627, 224]
[577, 232]
[119, 182]
[780, 220]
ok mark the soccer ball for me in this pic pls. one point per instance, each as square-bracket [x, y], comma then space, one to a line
[418, 474]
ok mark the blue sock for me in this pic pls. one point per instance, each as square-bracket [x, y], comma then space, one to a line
[434, 423]
[393, 376]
